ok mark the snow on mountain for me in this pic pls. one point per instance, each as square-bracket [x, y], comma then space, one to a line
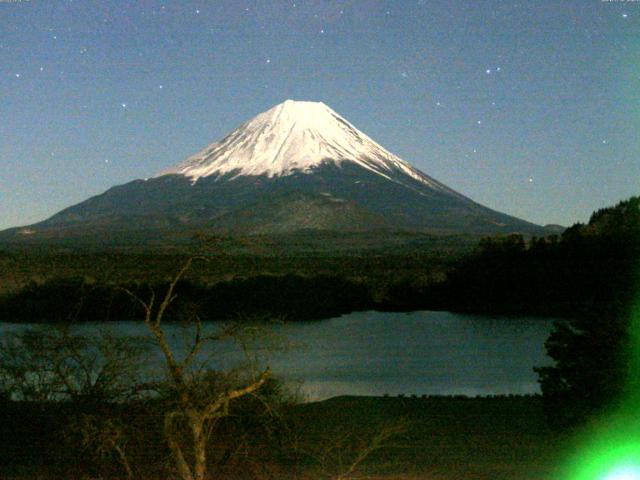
[298, 166]
[295, 136]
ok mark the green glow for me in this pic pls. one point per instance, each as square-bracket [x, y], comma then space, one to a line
[632, 402]
[626, 472]
[612, 448]
[615, 456]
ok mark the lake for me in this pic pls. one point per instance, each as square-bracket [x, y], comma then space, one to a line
[377, 353]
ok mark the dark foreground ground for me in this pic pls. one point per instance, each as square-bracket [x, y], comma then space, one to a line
[450, 438]
[439, 438]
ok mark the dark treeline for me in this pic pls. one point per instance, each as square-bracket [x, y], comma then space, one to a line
[557, 275]
[291, 297]
[595, 372]
[593, 264]
[379, 255]
[588, 265]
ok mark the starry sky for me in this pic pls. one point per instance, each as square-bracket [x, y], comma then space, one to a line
[529, 107]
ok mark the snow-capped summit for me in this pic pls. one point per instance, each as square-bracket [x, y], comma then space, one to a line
[294, 136]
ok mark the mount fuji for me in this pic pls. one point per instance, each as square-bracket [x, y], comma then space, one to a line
[297, 166]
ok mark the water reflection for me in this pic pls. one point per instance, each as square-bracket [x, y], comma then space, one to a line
[374, 353]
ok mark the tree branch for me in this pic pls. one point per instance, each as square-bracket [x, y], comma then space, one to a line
[223, 401]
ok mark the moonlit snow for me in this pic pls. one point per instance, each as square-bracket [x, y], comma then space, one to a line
[295, 136]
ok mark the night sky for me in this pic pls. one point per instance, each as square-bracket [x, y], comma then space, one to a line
[529, 107]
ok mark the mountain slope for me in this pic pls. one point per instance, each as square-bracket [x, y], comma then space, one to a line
[296, 166]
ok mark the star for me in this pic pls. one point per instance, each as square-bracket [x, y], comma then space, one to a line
[530, 179]
[438, 104]
[106, 160]
[322, 31]
[160, 87]
[479, 122]
[123, 105]
[488, 71]
[41, 69]
[18, 75]
[604, 142]
[498, 69]
[624, 15]
[268, 60]
[197, 12]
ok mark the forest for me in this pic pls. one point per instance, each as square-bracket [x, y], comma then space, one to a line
[550, 276]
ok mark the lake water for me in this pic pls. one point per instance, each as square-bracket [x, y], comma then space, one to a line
[375, 353]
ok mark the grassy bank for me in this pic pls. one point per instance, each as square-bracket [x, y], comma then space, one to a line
[441, 438]
[448, 437]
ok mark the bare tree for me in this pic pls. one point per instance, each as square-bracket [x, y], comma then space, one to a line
[105, 437]
[54, 364]
[199, 398]
[339, 453]
[376, 442]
